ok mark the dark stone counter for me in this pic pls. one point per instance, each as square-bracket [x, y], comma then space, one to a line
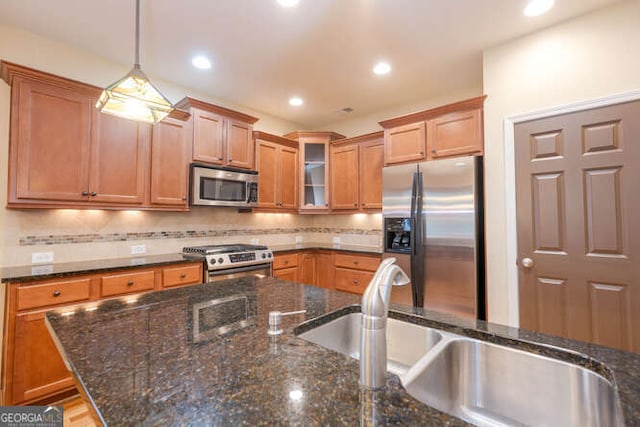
[28, 273]
[362, 249]
[200, 355]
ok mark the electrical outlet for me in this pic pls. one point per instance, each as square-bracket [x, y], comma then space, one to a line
[255, 241]
[138, 249]
[41, 257]
[298, 239]
[336, 240]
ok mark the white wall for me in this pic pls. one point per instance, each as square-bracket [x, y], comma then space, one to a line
[369, 123]
[585, 58]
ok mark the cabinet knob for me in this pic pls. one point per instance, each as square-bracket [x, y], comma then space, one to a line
[422, 153]
[364, 204]
[94, 194]
[326, 204]
[355, 262]
[433, 151]
[230, 160]
[355, 204]
[527, 263]
[183, 275]
[219, 158]
[286, 261]
[355, 281]
[184, 199]
[130, 283]
[85, 193]
[56, 293]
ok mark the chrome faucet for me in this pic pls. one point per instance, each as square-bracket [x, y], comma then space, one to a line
[375, 305]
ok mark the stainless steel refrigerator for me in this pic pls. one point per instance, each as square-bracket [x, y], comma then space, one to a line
[433, 223]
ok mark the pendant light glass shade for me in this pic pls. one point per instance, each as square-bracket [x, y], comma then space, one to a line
[133, 96]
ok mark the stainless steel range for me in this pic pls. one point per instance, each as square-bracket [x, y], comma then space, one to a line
[233, 260]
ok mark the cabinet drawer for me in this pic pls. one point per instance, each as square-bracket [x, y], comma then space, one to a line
[125, 283]
[183, 275]
[358, 262]
[285, 261]
[53, 293]
[352, 280]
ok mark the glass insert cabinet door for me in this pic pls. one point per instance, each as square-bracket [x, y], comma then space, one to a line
[315, 174]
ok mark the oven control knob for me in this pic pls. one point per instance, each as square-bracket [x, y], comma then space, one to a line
[264, 256]
[213, 260]
[220, 260]
[269, 255]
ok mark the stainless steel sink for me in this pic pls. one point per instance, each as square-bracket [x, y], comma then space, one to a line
[492, 385]
[406, 342]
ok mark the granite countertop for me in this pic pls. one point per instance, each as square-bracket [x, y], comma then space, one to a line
[29, 273]
[364, 249]
[148, 363]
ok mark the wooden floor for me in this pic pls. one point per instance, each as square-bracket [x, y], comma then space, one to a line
[76, 413]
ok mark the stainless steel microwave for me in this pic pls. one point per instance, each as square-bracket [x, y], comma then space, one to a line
[212, 186]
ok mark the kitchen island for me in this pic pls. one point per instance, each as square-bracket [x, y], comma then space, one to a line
[200, 355]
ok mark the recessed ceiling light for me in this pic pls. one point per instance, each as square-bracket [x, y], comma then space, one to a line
[295, 101]
[538, 7]
[201, 62]
[382, 68]
[288, 3]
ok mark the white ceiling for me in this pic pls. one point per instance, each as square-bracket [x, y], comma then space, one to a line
[321, 50]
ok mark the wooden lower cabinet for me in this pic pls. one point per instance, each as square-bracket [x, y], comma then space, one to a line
[38, 370]
[325, 270]
[354, 271]
[33, 370]
[328, 269]
[290, 274]
[285, 266]
[354, 281]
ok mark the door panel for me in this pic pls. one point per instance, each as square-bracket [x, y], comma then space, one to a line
[288, 177]
[240, 144]
[53, 142]
[576, 179]
[208, 137]
[344, 177]
[267, 167]
[170, 153]
[119, 159]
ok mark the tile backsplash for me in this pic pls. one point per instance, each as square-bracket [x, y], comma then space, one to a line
[76, 235]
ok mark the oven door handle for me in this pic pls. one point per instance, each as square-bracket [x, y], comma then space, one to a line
[233, 270]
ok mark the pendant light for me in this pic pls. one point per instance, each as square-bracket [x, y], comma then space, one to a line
[133, 96]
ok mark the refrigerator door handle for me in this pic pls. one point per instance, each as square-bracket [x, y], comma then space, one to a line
[418, 244]
[417, 276]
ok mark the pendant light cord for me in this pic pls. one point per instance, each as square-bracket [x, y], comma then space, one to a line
[137, 60]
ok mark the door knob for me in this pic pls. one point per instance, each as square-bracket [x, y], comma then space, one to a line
[527, 262]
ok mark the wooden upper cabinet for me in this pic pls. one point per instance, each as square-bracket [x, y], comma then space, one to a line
[450, 130]
[454, 134]
[208, 137]
[356, 173]
[288, 177]
[119, 160]
[267, 167]
[64, 153]
[170, 154]
[314, 169]
[221, 136]
[240, 149]
[344, 176]
[50, 142]
[405, 143]
[371, 163]
[277, 166]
